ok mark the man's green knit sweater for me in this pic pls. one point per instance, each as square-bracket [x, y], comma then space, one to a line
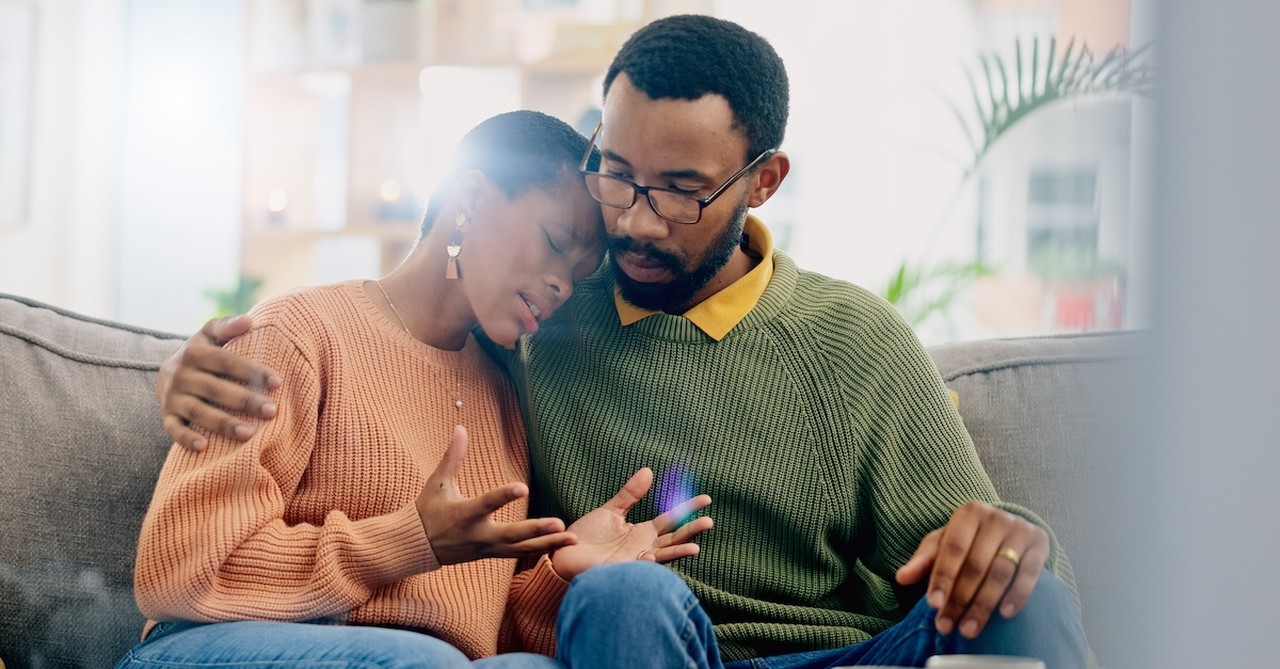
[819, 426]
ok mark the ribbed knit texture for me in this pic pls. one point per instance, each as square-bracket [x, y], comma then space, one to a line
[819, 426]
[314, 518]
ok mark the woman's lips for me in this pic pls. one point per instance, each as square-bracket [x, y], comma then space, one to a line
[532, 310]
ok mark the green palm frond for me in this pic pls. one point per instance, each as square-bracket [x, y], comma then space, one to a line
[237, 299]
[1002, 94]
[1039, 78]
[923, 292]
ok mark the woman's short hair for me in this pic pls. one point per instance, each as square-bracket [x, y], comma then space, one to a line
[517, 151]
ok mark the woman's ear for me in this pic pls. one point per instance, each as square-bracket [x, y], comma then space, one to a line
[768, 178]
[469, 192]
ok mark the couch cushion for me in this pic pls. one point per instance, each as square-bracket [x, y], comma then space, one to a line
[81, 444]
[1040, 411]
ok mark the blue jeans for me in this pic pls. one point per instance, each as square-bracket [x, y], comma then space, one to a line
[640, 614]
[276, 645]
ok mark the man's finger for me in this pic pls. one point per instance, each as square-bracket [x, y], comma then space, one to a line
[954, 547]
[219, 331]
[1029, 571]
[920, 563]
[224, 394]
[229, 365]
[183, 435]
[981, 574]
[1000, 573]
[204, 353]
[214, 420]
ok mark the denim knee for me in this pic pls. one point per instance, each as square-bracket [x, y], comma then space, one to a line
[1049, 600]
[620, 581]
[1048, 627]
[641, 611]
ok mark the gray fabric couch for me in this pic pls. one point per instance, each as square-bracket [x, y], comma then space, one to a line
[81, 444]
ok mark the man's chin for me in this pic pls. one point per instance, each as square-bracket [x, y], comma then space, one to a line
[666, 296]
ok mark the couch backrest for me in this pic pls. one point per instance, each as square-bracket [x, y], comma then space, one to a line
[81, 445]
[80, 448]
[1040, 411]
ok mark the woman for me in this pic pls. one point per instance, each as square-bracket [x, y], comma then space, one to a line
[347, 509]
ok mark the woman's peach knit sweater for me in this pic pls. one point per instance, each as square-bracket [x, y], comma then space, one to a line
[314, 518]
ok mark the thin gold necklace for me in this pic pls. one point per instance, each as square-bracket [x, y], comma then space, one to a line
[395, 312]
[457, 393]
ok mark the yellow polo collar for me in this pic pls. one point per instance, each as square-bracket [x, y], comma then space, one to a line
[718, 314]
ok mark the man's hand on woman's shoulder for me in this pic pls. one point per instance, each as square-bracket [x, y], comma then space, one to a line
[202, 384]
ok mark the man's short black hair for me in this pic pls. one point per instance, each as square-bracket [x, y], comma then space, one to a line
[685, 57]
[517, 151]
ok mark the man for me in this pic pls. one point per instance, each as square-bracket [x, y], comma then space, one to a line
[847, 489]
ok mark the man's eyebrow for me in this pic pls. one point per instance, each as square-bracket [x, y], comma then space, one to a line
[614, 157]
[688, 173]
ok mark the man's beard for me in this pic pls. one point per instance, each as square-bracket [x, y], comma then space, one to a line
[673, 296]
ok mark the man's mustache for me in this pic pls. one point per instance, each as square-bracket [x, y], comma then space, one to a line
[620, 245]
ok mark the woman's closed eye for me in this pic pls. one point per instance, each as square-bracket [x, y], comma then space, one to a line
[555, 248]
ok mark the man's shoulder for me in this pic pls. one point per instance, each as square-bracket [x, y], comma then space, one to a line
[833, 305]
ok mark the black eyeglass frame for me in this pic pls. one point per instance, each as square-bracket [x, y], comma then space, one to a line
[637, 189]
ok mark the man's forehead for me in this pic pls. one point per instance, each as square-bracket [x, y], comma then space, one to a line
[625, 106]
[670, 134]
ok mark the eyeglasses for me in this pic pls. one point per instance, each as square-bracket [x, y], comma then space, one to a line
[671, 205]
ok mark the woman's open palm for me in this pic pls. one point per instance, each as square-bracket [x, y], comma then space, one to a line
[604, 535]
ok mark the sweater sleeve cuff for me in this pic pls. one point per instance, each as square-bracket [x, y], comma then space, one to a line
[392, 547]
[535, 601]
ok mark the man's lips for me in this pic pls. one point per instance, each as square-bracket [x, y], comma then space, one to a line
[642, 268]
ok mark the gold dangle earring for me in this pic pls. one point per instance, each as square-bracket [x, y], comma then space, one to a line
[455, 247]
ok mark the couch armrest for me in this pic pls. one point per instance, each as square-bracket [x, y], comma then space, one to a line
[81, 444]
[1042, 411]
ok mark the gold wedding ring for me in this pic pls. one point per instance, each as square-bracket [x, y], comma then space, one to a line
[640, 555]
[1012, 555]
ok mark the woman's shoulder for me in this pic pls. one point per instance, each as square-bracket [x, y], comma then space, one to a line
[306, 306]
[310, 319]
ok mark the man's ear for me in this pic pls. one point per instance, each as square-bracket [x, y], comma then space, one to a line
[469, 192]
[767, 178]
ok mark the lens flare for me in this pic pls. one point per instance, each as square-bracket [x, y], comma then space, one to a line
[675, 487]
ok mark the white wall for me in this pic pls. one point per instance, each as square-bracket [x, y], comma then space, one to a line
[875, 150]
[61, 252]
[182, 171]
[136, 156]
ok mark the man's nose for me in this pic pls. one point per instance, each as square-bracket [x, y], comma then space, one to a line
[640, 221]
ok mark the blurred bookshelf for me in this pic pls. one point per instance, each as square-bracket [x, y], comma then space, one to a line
[353, 106]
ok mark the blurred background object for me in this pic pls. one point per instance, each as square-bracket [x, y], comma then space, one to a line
[971, 160]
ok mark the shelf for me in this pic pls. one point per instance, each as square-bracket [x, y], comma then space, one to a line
[335, 111]
[292, 234]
